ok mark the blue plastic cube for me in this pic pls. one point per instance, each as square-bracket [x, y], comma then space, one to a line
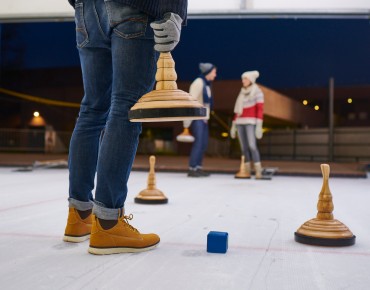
[217, 242]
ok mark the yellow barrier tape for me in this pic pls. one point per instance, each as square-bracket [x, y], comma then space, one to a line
[39, 100]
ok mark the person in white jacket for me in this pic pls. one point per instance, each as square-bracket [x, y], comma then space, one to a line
[201, 88]
[248, 120]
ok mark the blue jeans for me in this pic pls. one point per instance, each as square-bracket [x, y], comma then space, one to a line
[248, 143]
[199, 129]
[118, 62]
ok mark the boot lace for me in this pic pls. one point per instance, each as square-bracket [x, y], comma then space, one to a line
[127, 218]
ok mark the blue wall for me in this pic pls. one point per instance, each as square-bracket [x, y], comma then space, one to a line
[39, 45]
[288, 52]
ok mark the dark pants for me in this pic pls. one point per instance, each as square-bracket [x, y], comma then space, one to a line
[199, 129]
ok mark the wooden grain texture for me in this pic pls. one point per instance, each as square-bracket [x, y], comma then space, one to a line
[166, 96]
[324, 225]
[151, 193]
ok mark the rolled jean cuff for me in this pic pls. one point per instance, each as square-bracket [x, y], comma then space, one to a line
[80, 205]
[105, 213]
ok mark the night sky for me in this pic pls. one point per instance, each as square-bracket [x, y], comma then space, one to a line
[288, 53]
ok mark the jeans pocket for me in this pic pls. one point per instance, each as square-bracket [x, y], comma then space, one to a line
[82, 37]
[126, 22]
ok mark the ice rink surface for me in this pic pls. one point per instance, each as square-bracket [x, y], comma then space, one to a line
[259, 216]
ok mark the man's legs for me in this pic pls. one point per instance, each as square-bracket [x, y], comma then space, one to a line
[133, 68]
[95, 57]
[196, 149]
[199, 130]
[203, 150]
[127, 73]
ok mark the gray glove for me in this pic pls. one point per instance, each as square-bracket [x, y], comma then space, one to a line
[233, 130]
[259, 130]
[167, 32]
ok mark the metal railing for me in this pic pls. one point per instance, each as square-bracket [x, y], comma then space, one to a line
[350, 144]
[34, 140]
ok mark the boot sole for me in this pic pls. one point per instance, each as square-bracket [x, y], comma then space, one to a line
[76, 239]
[264, 178]
[118, 250]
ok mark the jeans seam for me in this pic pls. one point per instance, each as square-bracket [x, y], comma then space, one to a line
[98, 22]
[114, 24]
[131, 35]
[83, 28]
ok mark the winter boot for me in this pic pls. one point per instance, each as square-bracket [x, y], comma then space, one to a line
[202, 173]
[78, 228]
[194, 173]
[258, 170]
[247, 169]
[119, 237]
[198, 172]
[244, 171]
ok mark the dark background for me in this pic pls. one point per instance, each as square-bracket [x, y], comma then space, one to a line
[294, 56]
[287, 52]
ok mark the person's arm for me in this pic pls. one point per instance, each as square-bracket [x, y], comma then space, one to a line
[167, 30]
[259, 114]
[233, 130]
[196, 90]
[179, 7]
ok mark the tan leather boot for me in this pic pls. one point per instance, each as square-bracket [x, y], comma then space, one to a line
[77, 229]
[121, 238]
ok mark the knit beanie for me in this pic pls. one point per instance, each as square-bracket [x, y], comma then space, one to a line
[206, 68]
[251, 75]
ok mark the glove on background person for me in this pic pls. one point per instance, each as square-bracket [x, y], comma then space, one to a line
[259, 131]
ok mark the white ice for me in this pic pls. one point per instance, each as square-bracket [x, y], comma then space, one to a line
[259, 216]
